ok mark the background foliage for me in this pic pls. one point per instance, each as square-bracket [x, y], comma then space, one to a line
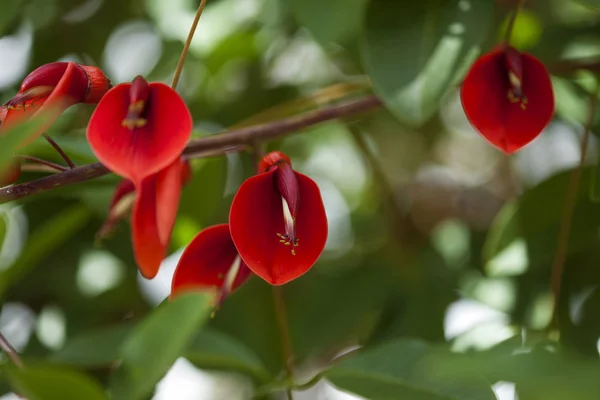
[432, 264]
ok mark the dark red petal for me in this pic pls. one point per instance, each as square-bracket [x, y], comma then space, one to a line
[484, 96]
[256, 217]
[206, 262]
[70, 89]
[45, 75]
[287, 186]
[153, 217]
[139, 152]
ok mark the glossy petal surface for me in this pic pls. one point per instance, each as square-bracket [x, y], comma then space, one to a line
[503, 123]
[153, 217]
[206, 262]
[70, 89]
[139, 152]
[256, 218]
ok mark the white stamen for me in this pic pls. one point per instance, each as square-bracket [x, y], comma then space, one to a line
[232, 274]
[287, 214]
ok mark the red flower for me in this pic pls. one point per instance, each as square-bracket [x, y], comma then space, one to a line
[507, 96]
[278, 222]
[55, 87]
[123, 199]
[210, 261]
[139, 128]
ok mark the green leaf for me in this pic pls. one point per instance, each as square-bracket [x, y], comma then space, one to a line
[415, 51]
[215, 350]
[329, 21]
[56, 230]
[157, 342]
[15, 137]
[536, 218]
[52, 382]
[341, 306]
[10, 9]
[408, 369]
[94, 349]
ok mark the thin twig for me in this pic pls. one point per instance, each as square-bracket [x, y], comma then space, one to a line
[187, 44]
[511, 21]
[60, 151]
[53, 166]
[222, 142]
[566, 221]
[284, 333]
[10, 351]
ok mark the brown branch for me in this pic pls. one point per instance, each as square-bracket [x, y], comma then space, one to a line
[197, 148]
[60, 151]
[566, 221]
[10, 351]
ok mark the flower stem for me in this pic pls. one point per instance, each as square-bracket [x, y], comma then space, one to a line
[10, 351]
[284, 333]
[511, 21]
[60, 151]
[566, 221]
[52, 166]
[187, 44]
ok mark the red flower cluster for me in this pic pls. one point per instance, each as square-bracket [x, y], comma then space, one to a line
[507, 96]
[139, 131]
[277, 230]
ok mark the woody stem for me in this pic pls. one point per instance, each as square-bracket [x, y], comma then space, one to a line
[560, 255]
[60, 151]
[210, 145]
[511, 21]
[187, 44]
[284, 333]
[53, 166]
[10, 351]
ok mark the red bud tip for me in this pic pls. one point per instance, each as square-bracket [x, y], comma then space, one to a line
[98, 84]
[272, 159]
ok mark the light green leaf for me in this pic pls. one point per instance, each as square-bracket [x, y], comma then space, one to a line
[215, 350]
[157, 342]
[53, 382]
[94, 349]
[408, 369]
[414, 51]
[57, 229]
[329, 21]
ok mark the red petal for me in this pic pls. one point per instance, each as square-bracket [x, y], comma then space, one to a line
[484, 96]
[206, 262]
[256, 217]
[70, 89]
[154, 213]
[140, 152]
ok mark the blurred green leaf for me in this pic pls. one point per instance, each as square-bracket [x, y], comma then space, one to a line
[53, 383]
[202, 197]
[415, 51]
[215, 350]
[157, 342]
[330, 21]
[408, 369]
[537, 216]
[57, 229]
[94, 349]
[324, 311]
[10, 9]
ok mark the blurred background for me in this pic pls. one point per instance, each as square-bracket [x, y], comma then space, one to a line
[427, 238]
